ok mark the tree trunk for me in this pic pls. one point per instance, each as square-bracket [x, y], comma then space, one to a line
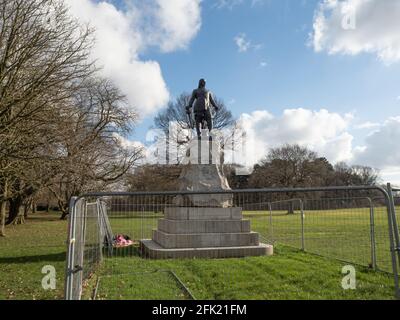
[64, 214]
[64, 210]
[3, 218]
[34, 207]
[291, 208]
[15, 205]
[28, 207]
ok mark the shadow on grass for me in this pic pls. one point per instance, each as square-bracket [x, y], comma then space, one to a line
[54, 257]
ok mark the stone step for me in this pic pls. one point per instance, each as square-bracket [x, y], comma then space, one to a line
[197, 213]
[203, 226]
[152, 250]
[205, 240]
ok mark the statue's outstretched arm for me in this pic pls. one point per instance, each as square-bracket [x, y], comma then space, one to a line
[213, 102]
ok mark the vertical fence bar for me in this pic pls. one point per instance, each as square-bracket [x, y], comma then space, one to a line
[100, 229]
[394, 218]
[303, 244]
[394, 235]
[270, 222]
[70, 250]
[372, 232]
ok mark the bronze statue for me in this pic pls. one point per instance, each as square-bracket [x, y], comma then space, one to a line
[202, 112]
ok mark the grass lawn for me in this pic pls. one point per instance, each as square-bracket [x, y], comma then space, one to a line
[289, 274]
[341, 234]
[24, 252]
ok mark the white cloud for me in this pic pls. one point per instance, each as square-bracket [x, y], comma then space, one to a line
[128, 144]
[368, 125]
[230, 4]
[122, 36]
[381, 149]
[170, 24]
[227, 3]
[321, 131]
[391, 175]
[325, 132]
[242, 43]
[376, 28]
[263, 64]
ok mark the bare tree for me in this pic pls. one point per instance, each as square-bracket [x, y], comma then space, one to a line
[346, 175]
[43, 52]
[90, 152]
[59, 123]
[290, 166]
[154, 178]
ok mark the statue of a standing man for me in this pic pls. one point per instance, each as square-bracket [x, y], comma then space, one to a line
[202, 113]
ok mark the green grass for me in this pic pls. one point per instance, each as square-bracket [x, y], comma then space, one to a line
[26, 250]
[340, 234]
[152, 285]
[289, 274]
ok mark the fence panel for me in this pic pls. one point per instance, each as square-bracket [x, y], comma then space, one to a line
[344, 224]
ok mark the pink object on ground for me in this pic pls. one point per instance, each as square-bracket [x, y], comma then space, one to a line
[120, 241]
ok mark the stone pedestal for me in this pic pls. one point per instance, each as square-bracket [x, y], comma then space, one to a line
[203, 173]
[189, 232]
[204, 178]
[203, 225]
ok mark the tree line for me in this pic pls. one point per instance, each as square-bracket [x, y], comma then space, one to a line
[288, 166]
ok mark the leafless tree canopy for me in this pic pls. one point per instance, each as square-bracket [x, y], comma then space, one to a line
[176, 112]
[296, 166]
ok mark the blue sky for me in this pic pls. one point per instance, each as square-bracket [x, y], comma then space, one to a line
[352, 71]
[295, 75]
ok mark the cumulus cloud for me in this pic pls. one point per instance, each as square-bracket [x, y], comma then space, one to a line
[170, 24]
[358, 26]
[368, 125]
[123, 35]
[242, 43]
[381, 149]
[322, 131]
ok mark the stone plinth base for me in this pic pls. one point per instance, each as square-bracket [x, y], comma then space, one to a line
[152, 250]
[192, 232]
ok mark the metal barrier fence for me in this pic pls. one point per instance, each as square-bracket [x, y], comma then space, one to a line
[396, 244]
[343, 223]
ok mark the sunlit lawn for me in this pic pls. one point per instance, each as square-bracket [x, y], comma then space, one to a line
[289, 274]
